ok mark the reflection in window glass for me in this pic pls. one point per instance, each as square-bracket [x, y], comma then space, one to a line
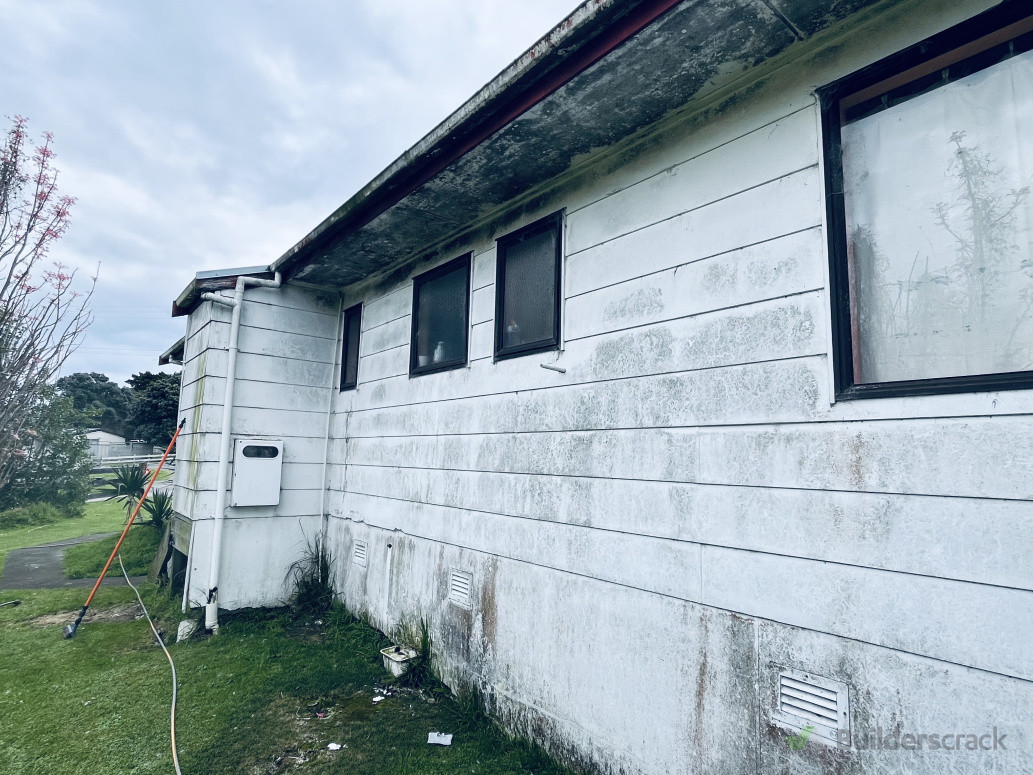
[529, 301]
[939, 224]
[441, 319]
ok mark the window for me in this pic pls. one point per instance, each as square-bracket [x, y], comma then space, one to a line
[929, 163]
[350, 347]
[440, 316]
[527, 289]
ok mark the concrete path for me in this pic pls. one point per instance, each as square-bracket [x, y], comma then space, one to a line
[42, 567]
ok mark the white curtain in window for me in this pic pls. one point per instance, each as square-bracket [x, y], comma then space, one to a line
[939, 223]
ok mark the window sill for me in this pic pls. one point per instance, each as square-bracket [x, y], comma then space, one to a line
[419, 371]
[979, 383]
[532, 349]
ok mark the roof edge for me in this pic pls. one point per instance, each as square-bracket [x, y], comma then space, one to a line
[594, 29]
[212, 280]
[174, 354]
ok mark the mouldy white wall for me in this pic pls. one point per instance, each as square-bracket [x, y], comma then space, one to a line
[654, 534]
[288, 344]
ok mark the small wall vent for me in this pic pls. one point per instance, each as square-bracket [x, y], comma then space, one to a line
[359, 553]
[459, 586]
[807, 700]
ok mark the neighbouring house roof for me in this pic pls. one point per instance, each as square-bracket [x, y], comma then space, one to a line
[174, 354]
[99, 435]
[609, 69]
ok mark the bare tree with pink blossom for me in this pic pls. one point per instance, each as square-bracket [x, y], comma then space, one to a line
[42, 315]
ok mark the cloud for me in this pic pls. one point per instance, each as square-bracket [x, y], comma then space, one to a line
[202, 135]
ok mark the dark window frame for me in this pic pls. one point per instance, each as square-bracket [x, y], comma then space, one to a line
[417, 283]
[353, 312]
[542, 225]
[978, 43]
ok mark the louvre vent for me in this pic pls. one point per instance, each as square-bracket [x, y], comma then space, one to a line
[459, 585]
[807, 700]
[359, 553]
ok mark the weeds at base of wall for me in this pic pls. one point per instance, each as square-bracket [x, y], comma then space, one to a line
[310, 578]
[467, 707]
[470, 714]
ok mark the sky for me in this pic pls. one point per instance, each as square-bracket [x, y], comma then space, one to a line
[200, 135]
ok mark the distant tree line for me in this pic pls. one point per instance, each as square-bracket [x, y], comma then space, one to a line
[146, 409]
[52, 464]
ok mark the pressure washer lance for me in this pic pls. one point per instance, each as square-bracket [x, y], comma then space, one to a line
[71, 628]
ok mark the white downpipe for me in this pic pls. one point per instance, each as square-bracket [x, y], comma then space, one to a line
[211, 611]
[338, 357]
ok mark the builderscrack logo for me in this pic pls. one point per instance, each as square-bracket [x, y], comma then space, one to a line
[907, 741]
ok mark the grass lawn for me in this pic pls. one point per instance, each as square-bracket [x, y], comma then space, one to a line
[101, 517]
[86, 561]
[268, 693]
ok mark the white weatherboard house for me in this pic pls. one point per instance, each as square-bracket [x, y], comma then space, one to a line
[682, 379]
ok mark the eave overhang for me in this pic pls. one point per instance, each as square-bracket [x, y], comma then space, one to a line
[174, 354]
[610, 69]
[213, 280]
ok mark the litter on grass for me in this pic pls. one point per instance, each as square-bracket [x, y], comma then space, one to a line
[377, 699]
[186, 629]
[438, 738]
[334, 747]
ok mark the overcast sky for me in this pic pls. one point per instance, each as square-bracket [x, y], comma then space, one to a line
[205, 135]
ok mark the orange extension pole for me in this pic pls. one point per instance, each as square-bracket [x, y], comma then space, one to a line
[70, 629]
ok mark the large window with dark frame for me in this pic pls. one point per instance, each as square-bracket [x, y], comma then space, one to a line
[440, 319]
[929, 164]
[527, 289]
[350, 347]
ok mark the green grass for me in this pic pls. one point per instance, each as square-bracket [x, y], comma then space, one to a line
[86, 561]
[100, 517]
[33, 515]
[248, 700]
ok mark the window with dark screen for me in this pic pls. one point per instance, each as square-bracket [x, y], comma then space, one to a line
[527, 289]
[350, 347]
[440, 317]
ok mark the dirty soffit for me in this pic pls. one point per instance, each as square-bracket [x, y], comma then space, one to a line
[210, 281]
[610, 69]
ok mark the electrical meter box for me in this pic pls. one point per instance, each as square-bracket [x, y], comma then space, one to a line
[257, 465]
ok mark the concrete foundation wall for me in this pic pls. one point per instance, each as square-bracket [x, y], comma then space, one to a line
[653, 535]
[285, 367]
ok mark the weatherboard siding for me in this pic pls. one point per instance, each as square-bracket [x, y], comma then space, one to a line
[653, 534]
[656, 532]
[288, 346]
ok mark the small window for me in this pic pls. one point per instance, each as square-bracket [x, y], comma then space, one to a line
[527, 289]
[929, 164]
[440, 317]
[350, 347]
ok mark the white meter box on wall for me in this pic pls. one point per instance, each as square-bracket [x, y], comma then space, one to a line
[257, 464]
